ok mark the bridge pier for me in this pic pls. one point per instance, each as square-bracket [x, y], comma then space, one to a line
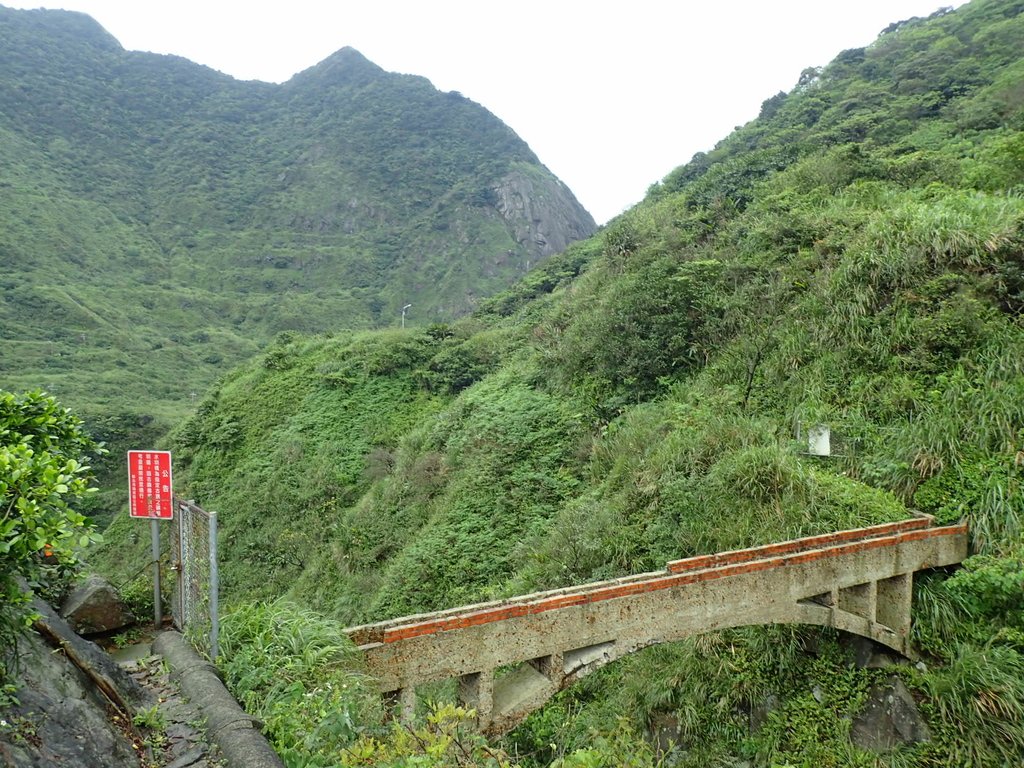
[552, 667]
[476, 691]
[508, 700]
[858, 600]
[401, 701]
[892, 606]
[878, 609]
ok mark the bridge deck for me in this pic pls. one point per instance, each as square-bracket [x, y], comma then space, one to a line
[714, 566]
[858, 580]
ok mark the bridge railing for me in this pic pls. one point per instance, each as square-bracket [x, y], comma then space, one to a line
[798, 545]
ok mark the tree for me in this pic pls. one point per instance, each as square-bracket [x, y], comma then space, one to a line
[44, 455]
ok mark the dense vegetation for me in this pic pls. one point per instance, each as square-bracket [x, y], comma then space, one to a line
[44, 471]
[854, 257]
[161, 222]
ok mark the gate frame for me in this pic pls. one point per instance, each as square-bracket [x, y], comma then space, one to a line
[180, 610]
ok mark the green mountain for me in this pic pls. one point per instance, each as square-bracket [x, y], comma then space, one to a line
[853, 258]
[160, 221]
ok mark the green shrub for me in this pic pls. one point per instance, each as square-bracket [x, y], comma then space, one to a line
[445, 739]
[44, 470]
[300, 674]
[646, 326]
[991, 588]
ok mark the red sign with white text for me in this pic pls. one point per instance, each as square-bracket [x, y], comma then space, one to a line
[149, 485]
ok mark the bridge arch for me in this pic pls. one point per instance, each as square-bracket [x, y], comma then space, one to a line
[859, 581]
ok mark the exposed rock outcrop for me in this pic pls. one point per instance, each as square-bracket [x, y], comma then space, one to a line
[867, 654]
[889, 718]
[60, 718]
[542, 214]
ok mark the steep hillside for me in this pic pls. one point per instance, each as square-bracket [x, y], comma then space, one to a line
[160, 221]
[852, 258]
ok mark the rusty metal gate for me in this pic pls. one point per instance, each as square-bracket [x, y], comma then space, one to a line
[193, 552]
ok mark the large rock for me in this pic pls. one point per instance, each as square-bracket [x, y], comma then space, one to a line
[760, 711]
[663, 733]
[889, 718]
[60, 719]
[867, 654]
[541, 213]
[94, 606]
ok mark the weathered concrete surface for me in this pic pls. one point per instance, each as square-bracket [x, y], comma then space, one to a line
[235, 732]
[859, 581]
[184, 743]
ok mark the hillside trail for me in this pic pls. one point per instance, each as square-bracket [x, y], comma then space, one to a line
[178, 738]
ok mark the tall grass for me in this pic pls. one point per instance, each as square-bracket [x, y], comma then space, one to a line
[970, 429]
[978, 700]
[938, 614]
[300, 674]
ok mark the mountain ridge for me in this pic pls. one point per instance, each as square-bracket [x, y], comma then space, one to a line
[162, 220]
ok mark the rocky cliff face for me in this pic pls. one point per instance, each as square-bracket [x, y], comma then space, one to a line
[60, 717]
[542, 214]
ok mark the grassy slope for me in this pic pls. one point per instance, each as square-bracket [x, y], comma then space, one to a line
[853, 258]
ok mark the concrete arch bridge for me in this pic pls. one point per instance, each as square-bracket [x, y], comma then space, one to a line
[859, 581]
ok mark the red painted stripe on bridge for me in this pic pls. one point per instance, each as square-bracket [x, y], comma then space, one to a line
[373, 633]
[796, 545]
[674, 579]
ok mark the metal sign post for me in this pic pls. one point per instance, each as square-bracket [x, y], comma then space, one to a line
[158, 613]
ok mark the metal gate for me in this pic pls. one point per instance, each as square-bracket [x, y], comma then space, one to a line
[194, 554]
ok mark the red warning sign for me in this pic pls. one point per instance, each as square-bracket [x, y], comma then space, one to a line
[149, 485]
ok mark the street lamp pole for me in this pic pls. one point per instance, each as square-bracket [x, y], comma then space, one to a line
[403, 313]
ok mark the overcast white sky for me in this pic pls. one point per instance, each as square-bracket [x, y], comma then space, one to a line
[611, 96]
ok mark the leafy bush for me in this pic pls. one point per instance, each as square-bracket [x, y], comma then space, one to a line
[44, 470]
[648, 325]
[446, 739]
[991, 589]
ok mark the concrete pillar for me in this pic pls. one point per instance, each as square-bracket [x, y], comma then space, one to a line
[401, 702]
[552, 667]
[859, 600]
[476, 691]
[407, 699]
[894, 597]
